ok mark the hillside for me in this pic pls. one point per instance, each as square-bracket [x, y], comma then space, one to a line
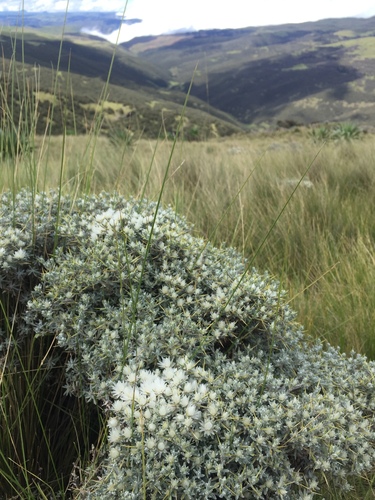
[310, 72]
[246, 78]
[138, 97]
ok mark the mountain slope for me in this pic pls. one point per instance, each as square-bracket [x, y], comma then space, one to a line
[72, 78]
[293, 73]
[310, 72]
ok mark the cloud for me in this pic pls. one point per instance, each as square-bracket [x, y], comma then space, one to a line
[237, 13]
[168, 16]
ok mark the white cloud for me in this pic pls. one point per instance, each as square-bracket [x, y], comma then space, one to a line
[209, 13]
[163, 16]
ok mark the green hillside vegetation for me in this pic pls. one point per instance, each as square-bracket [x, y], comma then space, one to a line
[251, 77]
[361, 47]
[258, 65]
[138, 98]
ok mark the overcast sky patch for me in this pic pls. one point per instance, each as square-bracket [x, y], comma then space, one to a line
[168, 16]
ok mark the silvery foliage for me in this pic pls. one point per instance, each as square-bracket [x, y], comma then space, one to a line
[209, 386]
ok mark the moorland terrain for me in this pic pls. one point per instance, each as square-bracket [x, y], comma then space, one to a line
[243, 79]
[310, 72]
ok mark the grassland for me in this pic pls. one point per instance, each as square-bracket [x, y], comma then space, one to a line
[233, 190]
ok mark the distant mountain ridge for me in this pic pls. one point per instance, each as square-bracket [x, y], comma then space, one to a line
[246, 78]
[302, 73]
[104, 22]
[72, 78]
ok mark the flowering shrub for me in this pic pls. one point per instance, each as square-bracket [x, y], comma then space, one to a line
[209, 387]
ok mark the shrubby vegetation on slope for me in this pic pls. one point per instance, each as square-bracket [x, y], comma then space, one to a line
[208, 387]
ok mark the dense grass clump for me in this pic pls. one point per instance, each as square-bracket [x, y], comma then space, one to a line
[204, 383]
[337, 132]
[11, 144]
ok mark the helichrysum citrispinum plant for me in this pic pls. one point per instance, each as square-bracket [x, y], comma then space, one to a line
[209, 387]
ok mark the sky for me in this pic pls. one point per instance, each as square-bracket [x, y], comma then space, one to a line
[170, 16]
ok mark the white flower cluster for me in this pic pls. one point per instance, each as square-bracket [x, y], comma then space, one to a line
[144, 287]
[209, 387]
[228, 431]
[32, 226]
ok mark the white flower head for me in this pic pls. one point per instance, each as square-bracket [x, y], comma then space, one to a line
[169, 373]
[20, 254]
[114, 435]
[113, 422]
[165, 363]
[150, 443]
[127, 432]
[118, 406]
[155, 386]
[125, 392]
[191, 411]
[207, 427]
[114, 453]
